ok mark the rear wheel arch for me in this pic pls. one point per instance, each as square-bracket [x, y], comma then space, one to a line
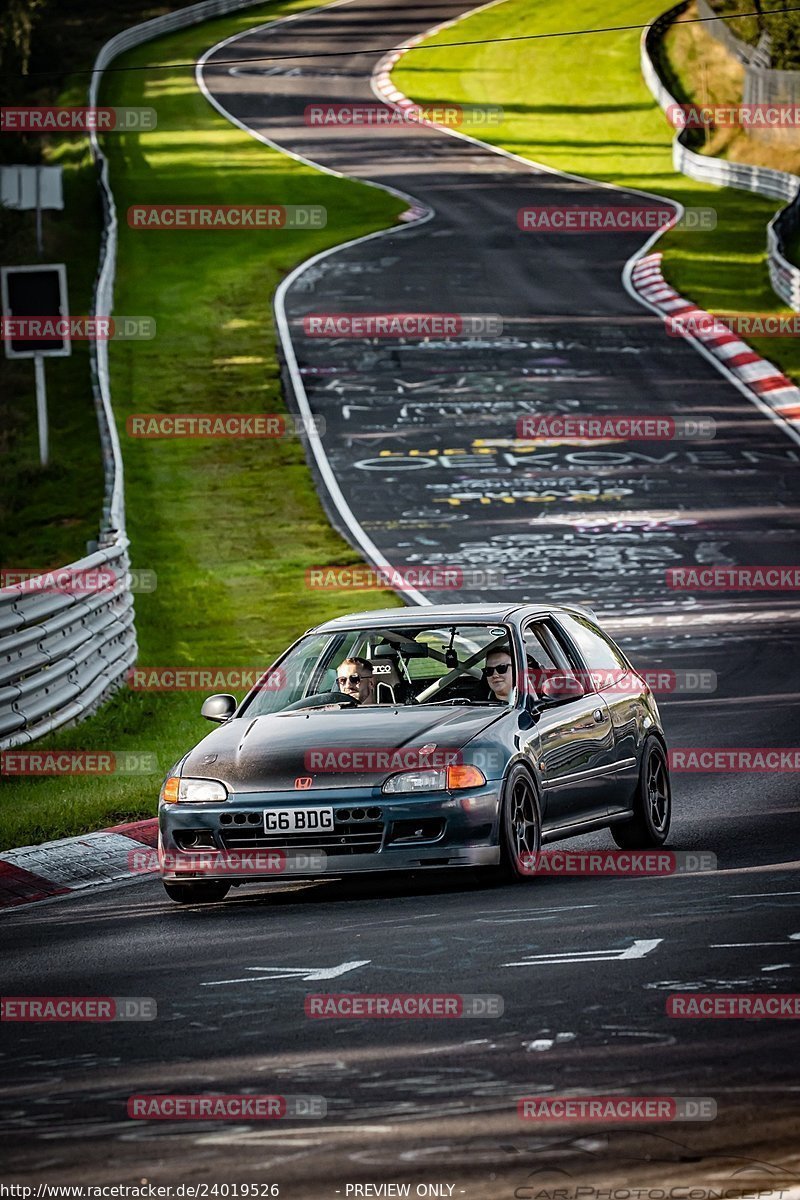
[649, 825]
[659, 736]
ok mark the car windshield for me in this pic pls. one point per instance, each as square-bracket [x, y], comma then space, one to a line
[426, 664]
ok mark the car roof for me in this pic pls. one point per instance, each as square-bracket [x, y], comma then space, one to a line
[436, 614]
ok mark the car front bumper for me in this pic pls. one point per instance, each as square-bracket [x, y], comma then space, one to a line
[372, 832]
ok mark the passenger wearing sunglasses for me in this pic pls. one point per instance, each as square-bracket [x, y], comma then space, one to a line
[354, 678]
[498, 674]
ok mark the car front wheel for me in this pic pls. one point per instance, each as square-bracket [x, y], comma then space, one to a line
[197, 893]
[652, 804]
[520, 828]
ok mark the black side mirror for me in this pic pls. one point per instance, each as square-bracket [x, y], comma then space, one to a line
[530, 714]
[219, 707]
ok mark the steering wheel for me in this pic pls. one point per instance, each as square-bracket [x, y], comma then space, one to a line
[320, 700]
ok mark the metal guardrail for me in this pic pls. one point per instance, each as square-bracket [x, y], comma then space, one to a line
[785, 276]
[66, 648]
[780, 185]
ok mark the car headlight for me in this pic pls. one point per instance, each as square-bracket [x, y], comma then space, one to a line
[193, 791]
[430, 780]
[434, 779]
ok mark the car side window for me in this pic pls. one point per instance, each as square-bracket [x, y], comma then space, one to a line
[538, 656]
[604, 661]
[545, 657]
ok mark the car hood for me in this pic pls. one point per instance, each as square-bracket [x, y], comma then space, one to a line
[353, 747]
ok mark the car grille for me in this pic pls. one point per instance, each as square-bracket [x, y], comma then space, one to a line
[356, 831]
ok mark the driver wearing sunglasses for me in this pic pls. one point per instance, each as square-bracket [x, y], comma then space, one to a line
[498, 674]
[354, 678]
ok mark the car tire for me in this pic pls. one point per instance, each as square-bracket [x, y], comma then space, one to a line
[197, 893]
[648, 828]
[520, 826]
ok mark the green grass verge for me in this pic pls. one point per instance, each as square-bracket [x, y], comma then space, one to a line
[229, 527]
[48, 514]
[578, 103]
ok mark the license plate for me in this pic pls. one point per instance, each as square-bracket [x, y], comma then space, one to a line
[298, 820]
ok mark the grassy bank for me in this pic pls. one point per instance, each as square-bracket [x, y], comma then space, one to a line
[704, 72]
[578, 103]
[229, 526]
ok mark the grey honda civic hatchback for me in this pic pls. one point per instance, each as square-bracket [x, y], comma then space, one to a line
[410, 739]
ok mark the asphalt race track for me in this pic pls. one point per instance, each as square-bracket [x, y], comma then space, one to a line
[432, 1102]
[422, 1101]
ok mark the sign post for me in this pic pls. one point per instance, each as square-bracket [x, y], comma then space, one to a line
[39, 213]
[31, 292]
[41, 409]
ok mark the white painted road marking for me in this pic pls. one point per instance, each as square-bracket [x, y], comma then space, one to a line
[741, 945]
[539, 915]
[292, 973]
[793, 937]
[638, 950]
[748, 895]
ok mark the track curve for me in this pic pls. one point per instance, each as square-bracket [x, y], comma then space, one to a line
[428, 1102]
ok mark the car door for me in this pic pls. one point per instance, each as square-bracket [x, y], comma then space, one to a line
[620, 688]
[572, 740]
